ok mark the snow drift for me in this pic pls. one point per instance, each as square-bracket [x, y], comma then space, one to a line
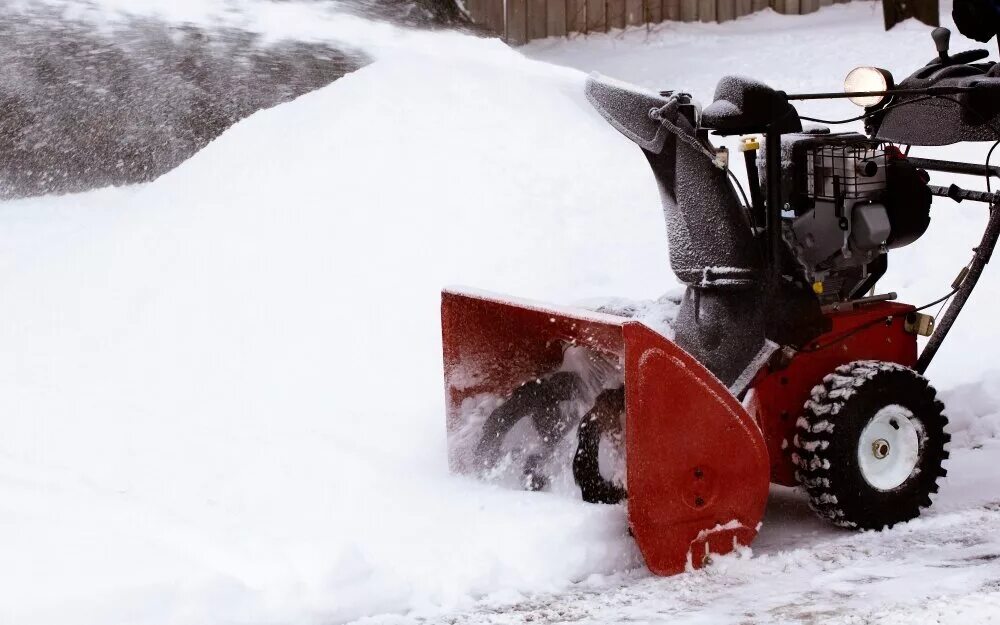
[222, 392]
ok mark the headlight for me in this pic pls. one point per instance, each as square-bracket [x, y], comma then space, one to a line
[862, 79]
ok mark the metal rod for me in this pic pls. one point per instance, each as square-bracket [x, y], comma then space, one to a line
[955, 167]
[867, 94]
[979, 260]
[861, 301]
[753, 182]
[772, 152]
[958, 194]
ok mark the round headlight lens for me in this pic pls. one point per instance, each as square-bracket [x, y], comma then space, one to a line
[867, 79]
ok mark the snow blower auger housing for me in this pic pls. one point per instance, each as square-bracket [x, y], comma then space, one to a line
[784, 365]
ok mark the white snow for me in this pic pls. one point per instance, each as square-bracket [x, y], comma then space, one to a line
[221, 395]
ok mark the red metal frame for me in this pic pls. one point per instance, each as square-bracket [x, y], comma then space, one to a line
[697, 465]
[780, 394]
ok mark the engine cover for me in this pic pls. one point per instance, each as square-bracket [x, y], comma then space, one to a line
[824, 241]
[848, 201]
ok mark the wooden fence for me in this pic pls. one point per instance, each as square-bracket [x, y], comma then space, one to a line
[520, 21]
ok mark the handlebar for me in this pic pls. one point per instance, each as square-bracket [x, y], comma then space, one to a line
[958, 194]
[955, 167]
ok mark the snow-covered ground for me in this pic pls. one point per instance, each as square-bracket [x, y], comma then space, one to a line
[220, 394]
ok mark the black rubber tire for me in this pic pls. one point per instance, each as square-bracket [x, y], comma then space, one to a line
[605, 418]
[827, 439]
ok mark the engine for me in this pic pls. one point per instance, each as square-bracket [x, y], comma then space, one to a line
[848, 200]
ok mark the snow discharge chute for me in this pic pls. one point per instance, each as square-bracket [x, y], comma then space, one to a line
[696, 466]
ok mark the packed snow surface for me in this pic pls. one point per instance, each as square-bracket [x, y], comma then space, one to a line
[221, 393]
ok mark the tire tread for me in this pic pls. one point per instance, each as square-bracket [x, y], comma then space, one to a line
[827, 417]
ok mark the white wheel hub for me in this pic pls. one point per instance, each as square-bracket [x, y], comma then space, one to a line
[889, 447]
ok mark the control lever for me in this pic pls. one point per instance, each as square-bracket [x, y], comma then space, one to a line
[958, 194]
[941, 36]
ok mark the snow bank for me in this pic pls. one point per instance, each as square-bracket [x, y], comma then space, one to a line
[222, 393]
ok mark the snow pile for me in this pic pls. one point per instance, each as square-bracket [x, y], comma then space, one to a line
[974, 411]
[222, 393]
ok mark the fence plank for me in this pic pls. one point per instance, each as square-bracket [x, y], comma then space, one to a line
[927, 12]
[725, 10]
[537, 19]
[493, 16]
[706, 10]
[479, 11]
[525, 20]
[634, 12]
[476, 10]
[517, 22]
[576, 16]
[689, 10]
[616, 14]
[556, 18]
[652, 11]
[596, 16]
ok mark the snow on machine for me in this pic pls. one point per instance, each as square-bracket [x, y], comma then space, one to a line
[785, 364]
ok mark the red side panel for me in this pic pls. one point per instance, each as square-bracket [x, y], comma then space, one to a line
[696, 462]
[780, 395]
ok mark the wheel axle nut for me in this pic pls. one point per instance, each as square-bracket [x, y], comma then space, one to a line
[880, 448]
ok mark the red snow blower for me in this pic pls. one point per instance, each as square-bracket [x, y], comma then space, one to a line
[785, 365]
